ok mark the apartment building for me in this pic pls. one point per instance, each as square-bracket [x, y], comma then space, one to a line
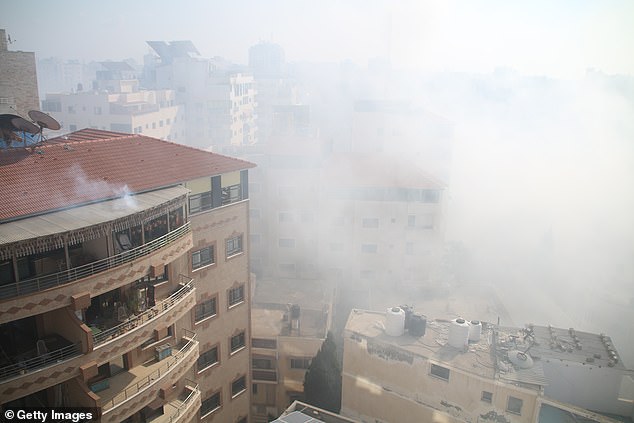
[290, 322]
[218, 98]
[18, 80]
[116, 103]
[401, 366]
[124, 281]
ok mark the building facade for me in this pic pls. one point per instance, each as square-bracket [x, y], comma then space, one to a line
[124, 282]
[18, 80]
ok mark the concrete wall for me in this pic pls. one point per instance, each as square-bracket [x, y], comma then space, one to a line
[18, 81]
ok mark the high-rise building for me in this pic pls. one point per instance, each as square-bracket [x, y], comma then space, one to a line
[124, 281]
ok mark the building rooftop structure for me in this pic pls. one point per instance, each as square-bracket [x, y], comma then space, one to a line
[300, 412]
[533, 366]
[90, 165]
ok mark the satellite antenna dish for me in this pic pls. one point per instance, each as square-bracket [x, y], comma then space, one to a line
[44, 121]
[24, 125]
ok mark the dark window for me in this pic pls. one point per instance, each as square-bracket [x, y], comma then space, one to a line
[203, 257]
[200, 202]
[439, 371]
[300, 363]
[514, 405]
[238, 386]
[208, 358]
[234, 245]
[262, 363]
[242, 420]
[210, 404]
[264, 343]
[205, 309]
[254, 388]
[487, 396]
[237, 342]
[236, 295]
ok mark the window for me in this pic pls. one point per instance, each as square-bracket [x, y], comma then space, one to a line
[431, 196]
[300, 363]
[231, 194]
[285, 217]
[236, 295]
[210, 404]
[514, 405]
[411, 221]
[286, 242]
[487, 397]
[262, 363]
[234, 245]
[237, 342]
[238, 386]
[264, 343]
[203, 257]
[208, 359]
[439, 371]
[370, 223]
[254, 388]
[241, 420]
[205, 309]
[369, 248]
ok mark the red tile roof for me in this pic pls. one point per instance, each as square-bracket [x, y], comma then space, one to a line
[92, 165]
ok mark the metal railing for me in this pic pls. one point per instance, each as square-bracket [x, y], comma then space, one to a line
[67, 276]
[154, 377]
[160, 308]
[186, 403]
[44, 360]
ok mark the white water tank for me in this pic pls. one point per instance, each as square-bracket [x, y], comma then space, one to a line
[458, 333]
[394, 321]
[475, 330]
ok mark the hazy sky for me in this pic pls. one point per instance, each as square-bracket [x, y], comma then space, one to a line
[557, 38]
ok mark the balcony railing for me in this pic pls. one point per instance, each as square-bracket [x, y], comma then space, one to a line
[265, 375]
[44, 360]
[160, 308]
[186, 402]
[155, 376]
[67, 276]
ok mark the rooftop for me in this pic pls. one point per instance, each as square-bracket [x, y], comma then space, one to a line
[299, 412]
[274, 321]
[92, 165]
[497, 352]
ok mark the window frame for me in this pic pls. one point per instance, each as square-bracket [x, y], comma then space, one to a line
[438, 371]
[218, 407]
[306, 362]
[209, 364]
[243, 389]
[515, 399]
[206, 316]
[212, 259]
[235, 250]
[239, 347]
[487, 397]
[231, 302]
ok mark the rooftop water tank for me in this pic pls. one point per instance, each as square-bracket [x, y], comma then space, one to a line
[475, 330]
[394, 321]
[458, 333]
[417, 325]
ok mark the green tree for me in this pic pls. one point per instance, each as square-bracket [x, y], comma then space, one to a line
[322, 383]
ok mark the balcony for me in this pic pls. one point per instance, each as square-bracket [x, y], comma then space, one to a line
[131, 390]
[183, 408]
[55, 290]
[48, 352]
[262, 375]
[155, 314]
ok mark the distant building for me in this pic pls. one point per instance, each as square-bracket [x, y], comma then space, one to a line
[458, 371]
[289, 323]
[218, 98]
[124, 280]
[18, 80]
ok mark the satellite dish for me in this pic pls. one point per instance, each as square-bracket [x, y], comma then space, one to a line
[44, 120]
[24, 125]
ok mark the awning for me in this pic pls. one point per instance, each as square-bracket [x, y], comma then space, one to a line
[53, 230]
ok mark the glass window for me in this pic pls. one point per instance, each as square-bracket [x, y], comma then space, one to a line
[238, 386]
[439, 371]
[514, 405]
[300, 363]
[210, 404]
[234, 245]
[286, 242]
[205, 309]
[236, 295]
[487, 396]
[208, 358]
[264, 343]
[237, 342]
[203, 257]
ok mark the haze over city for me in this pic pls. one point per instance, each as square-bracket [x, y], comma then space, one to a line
[521, 115]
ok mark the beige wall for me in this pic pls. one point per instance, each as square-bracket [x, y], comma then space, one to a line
[18, 81]
[407, 392]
